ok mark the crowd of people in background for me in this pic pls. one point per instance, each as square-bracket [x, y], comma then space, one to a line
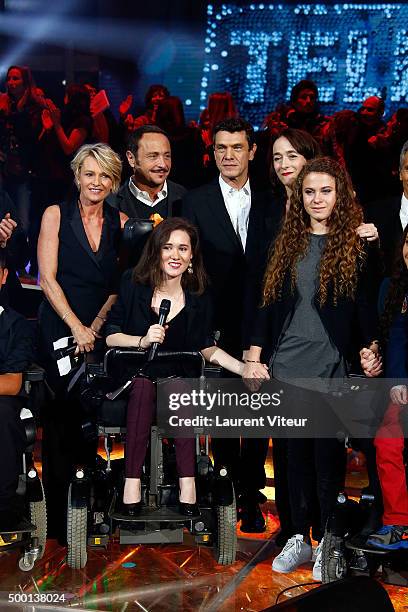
[291, 222]
[38, 140]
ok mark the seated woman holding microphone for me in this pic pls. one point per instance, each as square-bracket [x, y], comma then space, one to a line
[170, 268]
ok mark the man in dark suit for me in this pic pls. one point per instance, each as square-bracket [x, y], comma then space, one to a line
[232, 223]
[390, 215]
[147, 191]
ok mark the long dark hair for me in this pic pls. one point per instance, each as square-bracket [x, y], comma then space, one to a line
[397, 290]
[148, 270]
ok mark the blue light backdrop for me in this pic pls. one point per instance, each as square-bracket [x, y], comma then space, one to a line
[258, 52]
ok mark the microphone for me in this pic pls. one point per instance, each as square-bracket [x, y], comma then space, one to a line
[163, 312]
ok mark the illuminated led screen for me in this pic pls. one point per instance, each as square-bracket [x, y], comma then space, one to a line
[258, 52]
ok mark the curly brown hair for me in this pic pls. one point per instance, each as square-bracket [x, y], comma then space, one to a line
[397, 289]
[343, 254]
[148, 270]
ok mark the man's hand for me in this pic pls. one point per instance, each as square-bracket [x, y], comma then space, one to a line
[399, 395]
[7, 226]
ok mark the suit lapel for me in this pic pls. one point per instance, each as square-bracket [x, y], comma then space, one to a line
[217, 208]
[80, 234]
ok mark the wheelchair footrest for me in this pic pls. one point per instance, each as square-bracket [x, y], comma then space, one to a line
[161, 536]
[164, 514]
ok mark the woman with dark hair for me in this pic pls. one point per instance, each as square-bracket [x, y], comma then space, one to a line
[170, 268]
[290, 152]
[316, 282]
[390, 444]
[187, 149]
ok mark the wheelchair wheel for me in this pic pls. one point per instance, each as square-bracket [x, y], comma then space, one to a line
[38, 516]
[226, 540]
[77, 527]
[334, 562]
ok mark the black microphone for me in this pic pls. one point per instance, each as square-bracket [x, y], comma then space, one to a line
[163, 312]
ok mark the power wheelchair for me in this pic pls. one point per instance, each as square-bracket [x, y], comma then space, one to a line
[345, 548]
[94, 494]
[30, 533]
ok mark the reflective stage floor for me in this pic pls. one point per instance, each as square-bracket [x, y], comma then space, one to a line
[167, 577]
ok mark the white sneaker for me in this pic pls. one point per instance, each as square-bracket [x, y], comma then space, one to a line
[317, 567]
[294, 553]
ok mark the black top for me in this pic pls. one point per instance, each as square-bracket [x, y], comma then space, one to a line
[16, 342]
[175, 338]
[87, 278]
[132, 314]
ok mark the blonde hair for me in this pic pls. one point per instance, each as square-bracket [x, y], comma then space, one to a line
[106, 157]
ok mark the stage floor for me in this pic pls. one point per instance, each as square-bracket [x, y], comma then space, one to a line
[169, 577]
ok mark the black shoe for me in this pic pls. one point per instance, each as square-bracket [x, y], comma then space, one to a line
[132, 509]
[252, 519]
[190, 510]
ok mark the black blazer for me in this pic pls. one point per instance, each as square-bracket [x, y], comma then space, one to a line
[225, 261]
[126, 202]
[339, 320]
[131, 314]
[385, 214]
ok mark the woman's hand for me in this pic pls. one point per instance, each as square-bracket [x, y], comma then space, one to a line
[253, 374]
[399, 395]
[371, 362]
[155, 333]
[367, 231]
[54, 114]
[84, 337]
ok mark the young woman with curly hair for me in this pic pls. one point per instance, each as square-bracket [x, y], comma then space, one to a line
[316, 282]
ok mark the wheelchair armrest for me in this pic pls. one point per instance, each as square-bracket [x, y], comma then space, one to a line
[164, 356]
[34, 373]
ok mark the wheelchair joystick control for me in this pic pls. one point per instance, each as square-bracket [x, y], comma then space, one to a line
[223, 472]
[32, 473]
[80, 473]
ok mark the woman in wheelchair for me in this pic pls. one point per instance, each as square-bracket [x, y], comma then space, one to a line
[390, 441]
[170, 268]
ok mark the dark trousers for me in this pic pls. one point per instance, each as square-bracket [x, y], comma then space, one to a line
[245, 461]
[141, 410]
[12, 445]
[315, 466]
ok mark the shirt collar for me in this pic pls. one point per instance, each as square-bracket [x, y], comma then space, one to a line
[143, 195]
[228, 190]
[404, 203]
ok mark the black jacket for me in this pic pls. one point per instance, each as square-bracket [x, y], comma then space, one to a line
[131, 314]
[225, 261]
[385, 214]
[338, 320]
